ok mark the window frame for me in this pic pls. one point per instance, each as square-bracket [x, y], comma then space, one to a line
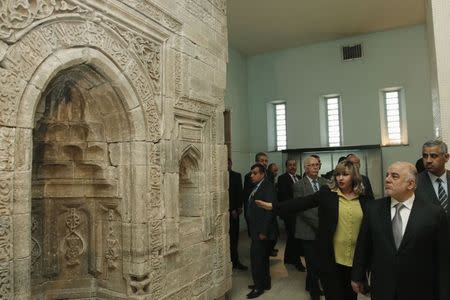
[326, 98]
[272, 135]
[277, 148]
[385, 140]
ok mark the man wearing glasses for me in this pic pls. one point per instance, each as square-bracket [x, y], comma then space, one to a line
[432, 183]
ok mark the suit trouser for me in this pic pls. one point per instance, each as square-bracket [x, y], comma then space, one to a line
[234, 239]
[337, 285]
[291, 252]
[260, 263]
[312, 274]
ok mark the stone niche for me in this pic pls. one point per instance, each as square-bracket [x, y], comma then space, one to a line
[112, 164]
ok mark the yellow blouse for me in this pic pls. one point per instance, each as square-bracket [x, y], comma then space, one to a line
[349, 221]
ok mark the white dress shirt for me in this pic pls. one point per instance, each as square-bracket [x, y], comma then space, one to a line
[404, 212]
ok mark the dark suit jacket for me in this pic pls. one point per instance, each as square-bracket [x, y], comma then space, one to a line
[260, 220]
[367, 187]
[234, 190]
[327, 202]
[419, 268]
[285, 183]
[248, 187]
[426, 191]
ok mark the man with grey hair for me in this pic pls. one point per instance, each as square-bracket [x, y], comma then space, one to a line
[400, 231]
[307, 223]
[432, 184]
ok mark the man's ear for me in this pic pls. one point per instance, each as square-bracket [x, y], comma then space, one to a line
[446, 157]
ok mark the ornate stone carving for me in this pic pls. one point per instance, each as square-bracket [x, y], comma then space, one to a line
[74, 246]
[7, 148]
[139, 284]
[36, 248]
[183, 293]
[156, 265]
[5, 239]
[177, 74]
[12, 86]
[196, 106]
[112, 244]
[155, 13]
[220, 5]
[156, 242]
[5, 195]
[149, 52]
[5, 282]
[16, 15]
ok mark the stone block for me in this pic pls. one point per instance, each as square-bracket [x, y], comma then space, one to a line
[139, 153]
[6, 193]
[139, 243]
[22, 235]
[139, 193]
[138, 124]
[23, 151]
[171, 236]
[21, 193]
[22, 279]
[171, 195]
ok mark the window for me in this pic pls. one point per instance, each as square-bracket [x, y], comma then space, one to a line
[333, 117]
[280, 126]
[393, 126]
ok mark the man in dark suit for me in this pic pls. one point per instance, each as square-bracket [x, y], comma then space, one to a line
[400, 231]
[262, 230]
[262, 159]
[433, 183]
[365, 180]
[285, 183]
[307, 223]
[235, 209]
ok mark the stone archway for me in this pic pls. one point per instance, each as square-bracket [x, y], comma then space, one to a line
[83, 176]
[76, 220]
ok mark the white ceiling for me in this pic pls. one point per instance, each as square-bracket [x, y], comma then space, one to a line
[258, 26]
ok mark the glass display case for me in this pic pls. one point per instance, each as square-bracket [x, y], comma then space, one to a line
[370, 156]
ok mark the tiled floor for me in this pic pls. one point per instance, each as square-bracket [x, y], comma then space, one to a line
[287, 282]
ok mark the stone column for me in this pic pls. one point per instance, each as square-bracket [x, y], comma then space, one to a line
[438, 26]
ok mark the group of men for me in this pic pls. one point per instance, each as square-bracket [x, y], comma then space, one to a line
[404, 238]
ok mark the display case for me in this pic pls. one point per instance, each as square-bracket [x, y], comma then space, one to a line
[370, 156]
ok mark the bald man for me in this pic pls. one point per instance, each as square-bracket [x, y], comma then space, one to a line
[398, 232]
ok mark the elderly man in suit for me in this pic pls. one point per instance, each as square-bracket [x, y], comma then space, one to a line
[285, 193]
[263, 230]
[400, 231]
[432, 184]
[307, 223]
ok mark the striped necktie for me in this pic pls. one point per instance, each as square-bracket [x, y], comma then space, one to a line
[314, 184]
[442, 195]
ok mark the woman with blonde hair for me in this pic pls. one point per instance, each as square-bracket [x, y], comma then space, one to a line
[340, 207]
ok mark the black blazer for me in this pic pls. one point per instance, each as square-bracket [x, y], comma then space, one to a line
[426, 191]
[234, 190]
[285, 191]
[327, 202]
[419, 269]
[260, 220]
[367, 187]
